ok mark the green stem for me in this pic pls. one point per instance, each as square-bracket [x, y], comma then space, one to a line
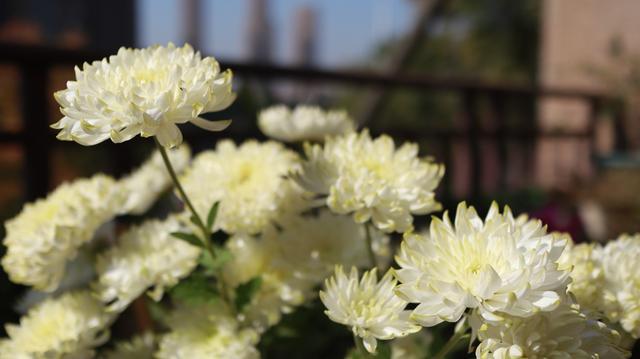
[451, 344]
[206, 232]
[372, 254]
[183, 194]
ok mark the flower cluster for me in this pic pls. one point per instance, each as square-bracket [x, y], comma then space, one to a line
[262, 230]
[144, 92]
[303, 123]
[605, 279]
[372, 179]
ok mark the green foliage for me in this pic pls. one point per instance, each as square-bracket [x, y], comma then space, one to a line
[213, 264]
[198, 288]
[306, 333]
[246, 291]
[189, 238]
[213, 213]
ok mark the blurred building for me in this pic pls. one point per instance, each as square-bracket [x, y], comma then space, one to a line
[592, 45]
[579, 39]
[305, 36]
[259, 32]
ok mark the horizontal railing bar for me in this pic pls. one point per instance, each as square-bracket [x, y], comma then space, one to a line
[50, 56]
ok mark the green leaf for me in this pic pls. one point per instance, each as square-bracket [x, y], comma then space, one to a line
[195, 220]
[195, 289]
[212, 264]
[246, 291]
[213, 213]
[189, 238]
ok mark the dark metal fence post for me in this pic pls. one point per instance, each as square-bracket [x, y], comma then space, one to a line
[35, 137]
[470, 108]
[497, 105]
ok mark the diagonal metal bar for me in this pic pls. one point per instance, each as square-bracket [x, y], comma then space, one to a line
[374, 100]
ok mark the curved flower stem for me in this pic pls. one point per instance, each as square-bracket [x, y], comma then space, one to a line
[453, 341]
[183, 194]
[372, 254]
[206, 232]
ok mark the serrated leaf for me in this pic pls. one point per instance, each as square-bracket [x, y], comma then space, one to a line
[195, 289]
[189, 238]
[246, 291]
[212, 264]
[213, 213]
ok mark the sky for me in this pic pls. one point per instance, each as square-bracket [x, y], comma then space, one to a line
[348, 30]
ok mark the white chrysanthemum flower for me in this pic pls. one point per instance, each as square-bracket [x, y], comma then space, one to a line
[369, 307]
[49, 232]
[565, 332]
[144, 92]
[303, 123]
[248, 181]
[372, 179]
[620, 264]
[140, 347]
[146, 256]
[277, 294]
[144, 185]
[206, 332]
[69, 326]
[499, 265]
[308, 248]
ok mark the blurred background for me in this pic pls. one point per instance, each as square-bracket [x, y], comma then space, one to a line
[534, 103]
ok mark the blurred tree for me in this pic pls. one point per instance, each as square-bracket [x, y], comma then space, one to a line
[492, 40]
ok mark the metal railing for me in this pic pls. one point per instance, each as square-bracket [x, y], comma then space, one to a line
[36, 139]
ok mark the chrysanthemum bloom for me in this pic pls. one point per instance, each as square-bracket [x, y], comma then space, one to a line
[248, 181]
[277, 294]
[146, 256]
[372, 179]
[620, 264]
[140, 347]
[307, 248]
[303, 123]
[144, 92]
[501, 265]
[369, 307]
[565, 332]
[68, 326]
[49, 232]
[588, 283]
[144, 185]
[206, 332]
